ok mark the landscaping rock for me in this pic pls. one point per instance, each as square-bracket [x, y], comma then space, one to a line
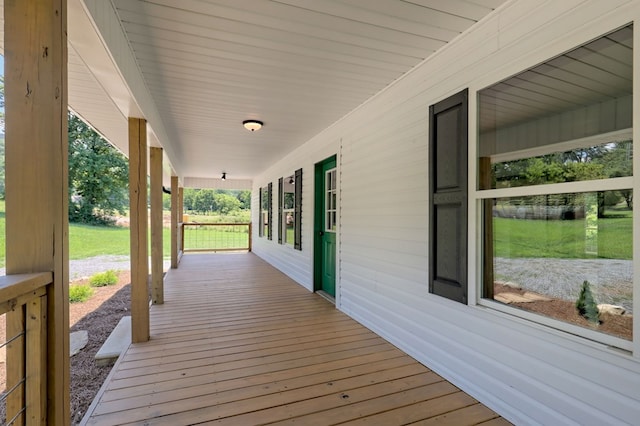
[606, 308]
[78, 340]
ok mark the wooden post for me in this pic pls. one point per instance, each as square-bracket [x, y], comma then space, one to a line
[174, 222]
[35, 50]
[138, 230]
[157, 290]
[484, 166]
[36, 361]
[181, 216]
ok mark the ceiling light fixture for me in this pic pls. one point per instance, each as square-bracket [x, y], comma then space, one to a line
[224, 176]
[252, 125]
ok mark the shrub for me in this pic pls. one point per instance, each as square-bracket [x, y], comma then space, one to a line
[586, 304]
[103, 279]
[80, 293]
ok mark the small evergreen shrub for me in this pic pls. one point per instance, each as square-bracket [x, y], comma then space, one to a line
[80, 293]
[586, 304]
[103, 279]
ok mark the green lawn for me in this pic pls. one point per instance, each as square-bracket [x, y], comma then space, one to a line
[563, 239]
[88, 241]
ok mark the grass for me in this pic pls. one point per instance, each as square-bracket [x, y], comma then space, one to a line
[88, 241]
[564, 239]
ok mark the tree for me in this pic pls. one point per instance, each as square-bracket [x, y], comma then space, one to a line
[98, 176]
[244, 197]
[225, 203]
[205, 200]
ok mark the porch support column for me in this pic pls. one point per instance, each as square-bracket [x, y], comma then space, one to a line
[138, 230]
[174, 222]
[157, 289]
[35, 49]
[181, 216]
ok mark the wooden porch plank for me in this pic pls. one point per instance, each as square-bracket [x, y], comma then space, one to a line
[274, 353]
[245, 370]
[242, 352]
[412, 388]
[238, 401]
[237, 389]
[257, 378]
[417, 411]
[279, 406]
[224, 346]
[471, 415]
[498, 421]
[233, 361]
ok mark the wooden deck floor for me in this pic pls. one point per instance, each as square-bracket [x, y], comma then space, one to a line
[239, 343]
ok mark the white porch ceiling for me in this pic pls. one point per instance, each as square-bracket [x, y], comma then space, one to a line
[201, 67]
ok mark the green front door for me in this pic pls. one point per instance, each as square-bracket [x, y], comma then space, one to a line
[326, 216]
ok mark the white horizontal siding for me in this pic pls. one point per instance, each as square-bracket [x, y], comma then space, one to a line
[528, 373]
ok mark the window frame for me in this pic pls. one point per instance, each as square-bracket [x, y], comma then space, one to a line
[265, 195]
[478, 197]
[296, 210]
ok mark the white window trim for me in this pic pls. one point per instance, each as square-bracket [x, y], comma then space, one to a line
[475, 232]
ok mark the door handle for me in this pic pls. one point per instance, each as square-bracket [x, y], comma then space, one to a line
[321, 233]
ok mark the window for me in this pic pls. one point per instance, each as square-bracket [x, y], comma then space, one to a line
[290, 209]
[555, 182]
[331, 201]
[265, 212]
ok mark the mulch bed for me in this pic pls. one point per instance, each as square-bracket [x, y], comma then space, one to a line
[98, 315]
[86, 377]
[565, 310]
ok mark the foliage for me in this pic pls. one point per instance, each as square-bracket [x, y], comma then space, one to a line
[80, 293]
[98, 176]
[102, 279]
[604, 161]
[586, 304]
[218, 201]
[245, 199]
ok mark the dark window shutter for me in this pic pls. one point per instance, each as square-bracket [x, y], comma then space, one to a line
[280, 203]
[270, 210]
[448, 197]
[297, 241]
[260, 220]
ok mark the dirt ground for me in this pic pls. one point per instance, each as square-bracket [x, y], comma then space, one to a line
[99, 315]
[564, 310]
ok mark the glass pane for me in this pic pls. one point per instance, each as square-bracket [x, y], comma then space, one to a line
[568, 119]
[545, 248]
[289, 225]
[333, 179]
[265, 198]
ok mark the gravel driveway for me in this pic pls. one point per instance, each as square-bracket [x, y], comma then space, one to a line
[611, 280]
[84, 268]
